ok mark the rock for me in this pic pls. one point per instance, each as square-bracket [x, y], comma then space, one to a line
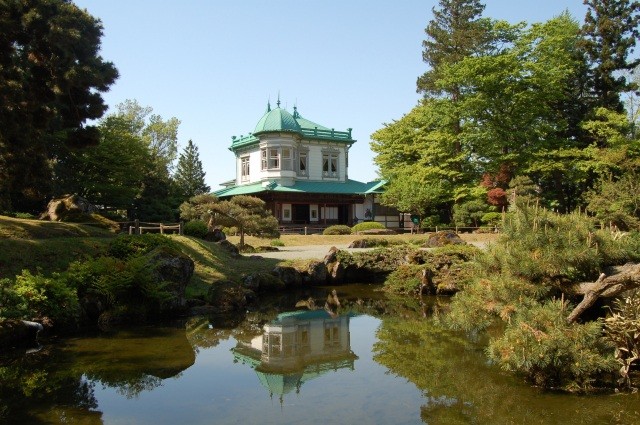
[229, 247]
[445, 237]
[216, 235]
[289, 275]
[227, 296]
[358, 243]
[14, 333]
[335, 270]
[67, 208]
[174, 269]
[261, 282]
[316, 273]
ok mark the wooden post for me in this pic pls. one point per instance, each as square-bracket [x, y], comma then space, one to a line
[305, 230]
[130, 230]
[161, 229]
[136, 223]
[181, 228]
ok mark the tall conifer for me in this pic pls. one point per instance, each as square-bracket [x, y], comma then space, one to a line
[189, 176]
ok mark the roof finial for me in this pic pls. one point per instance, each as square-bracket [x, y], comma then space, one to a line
[278, 102]
[269, 105]
[295, 112]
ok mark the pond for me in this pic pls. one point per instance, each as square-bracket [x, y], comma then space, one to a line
[374, 360]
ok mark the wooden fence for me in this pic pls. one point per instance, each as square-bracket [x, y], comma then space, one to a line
[137, 227]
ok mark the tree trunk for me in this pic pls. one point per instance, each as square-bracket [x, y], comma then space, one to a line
[620, 279]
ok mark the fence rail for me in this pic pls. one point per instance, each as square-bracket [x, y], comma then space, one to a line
[137, 227]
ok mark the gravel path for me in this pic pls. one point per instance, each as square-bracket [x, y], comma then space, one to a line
[317, 252]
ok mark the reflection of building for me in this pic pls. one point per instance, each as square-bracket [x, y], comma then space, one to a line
[296, 347]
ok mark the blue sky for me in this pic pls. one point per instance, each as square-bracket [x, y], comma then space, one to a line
[214, 64]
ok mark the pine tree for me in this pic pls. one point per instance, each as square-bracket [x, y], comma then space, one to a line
[455, 32]
[189, 176]
[610, 32]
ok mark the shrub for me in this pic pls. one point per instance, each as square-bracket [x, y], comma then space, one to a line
[491, 218]
[339, 229]
[406, 279]
[125, 246]
[197, 228]
[550, 352]
[46, 297]
[277, 242]
[621, 329]
[366, 225]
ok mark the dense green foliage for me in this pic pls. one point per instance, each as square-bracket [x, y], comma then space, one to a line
[197, 228]
[525, 282]
[366, 225]
[51, 80]
[537, 105]
[338, 229]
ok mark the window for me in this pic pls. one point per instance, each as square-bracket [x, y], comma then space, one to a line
[330, 165]
[286, 159]
[244, 168]
[274, 159]
[302, 163]
[263, 155]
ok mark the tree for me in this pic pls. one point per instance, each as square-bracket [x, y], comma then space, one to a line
[455, 33]
[189, 176]
[161, 136]
[51, 77]
[610, 32]
[157, 200]
[111, 173]
[245, 212]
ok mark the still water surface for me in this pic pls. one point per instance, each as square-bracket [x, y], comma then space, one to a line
[377, 361]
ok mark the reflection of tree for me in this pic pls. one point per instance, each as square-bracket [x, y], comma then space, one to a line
[134, 387]
[31, 387]
[460, 387]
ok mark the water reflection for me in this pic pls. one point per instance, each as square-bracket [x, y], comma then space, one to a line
[296, 347]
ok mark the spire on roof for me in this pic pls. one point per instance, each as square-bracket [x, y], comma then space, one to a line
[269, 105]
[278, 102]
[295, 112]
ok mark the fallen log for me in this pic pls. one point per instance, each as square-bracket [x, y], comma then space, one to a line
[619, 279]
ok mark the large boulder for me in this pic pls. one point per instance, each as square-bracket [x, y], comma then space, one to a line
[227, 296]
[316, 273]
[335, 268]
[262, 282]
[14, 333]
[229, 247]
[289, 275]
[68, 208]
[174, 269]
[442, 238]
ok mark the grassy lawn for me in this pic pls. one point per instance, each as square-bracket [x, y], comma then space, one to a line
[46, 246]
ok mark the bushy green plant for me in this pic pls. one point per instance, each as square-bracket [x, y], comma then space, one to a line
[491, 218]
[406, 279]
[276, 242]
[366, 225]
[125, 246]
[12, 305]
[622, 329]
[196, 228]
[539, 343]
[46, 297]
[119, 283]
[547, 247]
[338, 229]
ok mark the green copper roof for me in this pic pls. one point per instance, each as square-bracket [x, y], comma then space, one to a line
[277, 120]
[349, 187]
[280, 120]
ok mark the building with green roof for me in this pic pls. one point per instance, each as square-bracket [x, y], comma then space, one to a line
[301, 170]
